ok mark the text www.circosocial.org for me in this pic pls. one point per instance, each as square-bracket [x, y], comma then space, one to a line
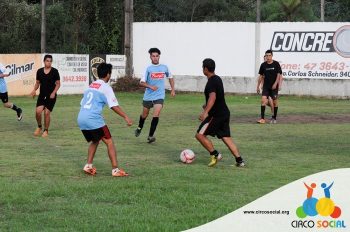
[282, 212]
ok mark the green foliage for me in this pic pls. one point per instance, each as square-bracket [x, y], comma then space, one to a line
[96, 26]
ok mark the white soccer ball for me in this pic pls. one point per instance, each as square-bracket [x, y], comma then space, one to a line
[187, 156]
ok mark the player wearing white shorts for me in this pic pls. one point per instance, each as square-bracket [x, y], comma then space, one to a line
[91, 122]
[3, 92]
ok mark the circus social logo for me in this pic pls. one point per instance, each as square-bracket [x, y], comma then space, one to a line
[324, 206]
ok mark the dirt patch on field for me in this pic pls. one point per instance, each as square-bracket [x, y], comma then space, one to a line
[292, 119]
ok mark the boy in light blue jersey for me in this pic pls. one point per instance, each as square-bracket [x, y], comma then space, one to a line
[5, 72]
[91, 122]
[154, 82]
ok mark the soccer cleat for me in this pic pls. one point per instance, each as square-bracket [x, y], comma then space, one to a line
[240, 164]
[119, 172]
[90, 170]
[45, 134]
[213, 161]
[19, 114]
[261, 121]
[37, 131]
[151, 139]
[138, 132]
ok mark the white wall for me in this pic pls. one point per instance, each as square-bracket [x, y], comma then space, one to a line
[185, 45]
[234, 47]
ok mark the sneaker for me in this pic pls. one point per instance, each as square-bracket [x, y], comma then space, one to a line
[213, 161]
[240, 164]
[151, 139]
[119, 172]
[261, 121]
[138, 132]
[19, 114]
[90, 170]
[37, 131]
[45, 134]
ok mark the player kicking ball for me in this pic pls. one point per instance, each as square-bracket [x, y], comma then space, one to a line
[91, 122]
[215, 117]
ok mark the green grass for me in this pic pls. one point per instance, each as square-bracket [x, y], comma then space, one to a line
[43, 187]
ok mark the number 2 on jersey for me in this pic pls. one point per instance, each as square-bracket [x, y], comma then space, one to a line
[88, 103]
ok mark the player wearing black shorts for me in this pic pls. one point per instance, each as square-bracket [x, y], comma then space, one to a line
[215, 117]
[4, 72]
[48, 79]
[270, 73]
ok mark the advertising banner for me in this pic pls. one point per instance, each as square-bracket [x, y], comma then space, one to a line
[95, 60]
[74, 72]
[309, 50]
[23, 72]
[118, 62]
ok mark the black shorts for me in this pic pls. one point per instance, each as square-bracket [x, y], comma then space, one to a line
[97, 134]
[273, 93]
[4, 97]
[150, 104]
[215, 126]
[46, 101]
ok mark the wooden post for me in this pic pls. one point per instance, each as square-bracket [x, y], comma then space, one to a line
[128, 51]
[43, 26]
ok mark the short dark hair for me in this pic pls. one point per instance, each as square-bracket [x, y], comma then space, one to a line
[152, 50]
[269, 51]
[47, 56]
[103, 69]
[209, 64]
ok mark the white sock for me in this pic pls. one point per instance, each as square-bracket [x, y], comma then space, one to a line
[88, 165]
[115, 170]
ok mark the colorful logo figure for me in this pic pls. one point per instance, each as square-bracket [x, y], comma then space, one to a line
[323, 206]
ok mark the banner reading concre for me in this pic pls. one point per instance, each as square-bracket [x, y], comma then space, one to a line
[74, 72]
[309, 50]
[23, 71]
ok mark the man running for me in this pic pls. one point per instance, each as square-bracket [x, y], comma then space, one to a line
[215, 117]
[48, 79]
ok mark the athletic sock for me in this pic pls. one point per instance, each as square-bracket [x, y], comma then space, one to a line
[40, 126]
[154, 124]
[275, 112]
[46, 130]
[215, 152]
[239, 159]
[141, 122]
[14, 107]
[263, 112]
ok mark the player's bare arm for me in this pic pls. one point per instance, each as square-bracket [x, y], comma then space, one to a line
[172, 85]
[210, 103]
[122, 114]
[4, 75]
[274, 86]
[58, 85]
[144, 84]
[280, 80]
[260, 82]
[36, 87]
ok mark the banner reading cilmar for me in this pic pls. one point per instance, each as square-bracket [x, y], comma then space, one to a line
[23, 71]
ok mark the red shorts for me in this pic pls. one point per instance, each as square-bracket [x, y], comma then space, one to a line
[97, 134]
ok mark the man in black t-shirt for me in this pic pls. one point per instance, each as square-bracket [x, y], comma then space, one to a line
[270, 73]
[48, 79]
[215, 117]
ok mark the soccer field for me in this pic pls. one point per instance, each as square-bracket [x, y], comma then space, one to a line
[43, 187]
